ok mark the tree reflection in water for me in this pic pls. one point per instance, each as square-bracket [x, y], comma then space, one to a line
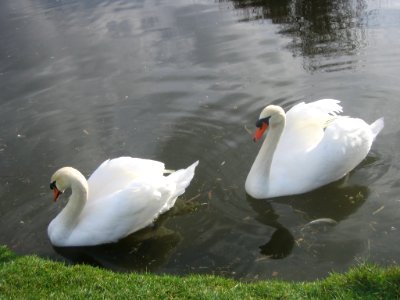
[319, 29]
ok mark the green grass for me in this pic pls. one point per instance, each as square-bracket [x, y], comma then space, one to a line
[30, 277]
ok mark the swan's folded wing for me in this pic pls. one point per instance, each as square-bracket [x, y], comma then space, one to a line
[306, 122]
[116, 174]
[345, 144]
[115, 216]
[348, 141]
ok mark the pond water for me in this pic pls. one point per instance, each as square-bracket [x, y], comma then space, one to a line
[179, 81]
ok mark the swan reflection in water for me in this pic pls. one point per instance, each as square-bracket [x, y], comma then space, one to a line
[144, 250]
[323, 208]
[150, 248]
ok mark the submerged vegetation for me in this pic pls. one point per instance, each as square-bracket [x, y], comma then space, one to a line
[23, 277]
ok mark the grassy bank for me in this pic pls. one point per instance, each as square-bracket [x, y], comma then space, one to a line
[30, 277]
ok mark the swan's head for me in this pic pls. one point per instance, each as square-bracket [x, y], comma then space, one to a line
[270, 116]
[63, 178]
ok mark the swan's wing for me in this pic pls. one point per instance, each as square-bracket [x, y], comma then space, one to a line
[125, 211]
[115, 174]
[115, 216]
[306, 122]
[345, 143]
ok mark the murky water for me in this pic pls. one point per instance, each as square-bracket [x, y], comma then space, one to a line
[177, 81]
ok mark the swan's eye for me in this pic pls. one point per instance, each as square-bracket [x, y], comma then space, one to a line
[53, 185]
[260, 122]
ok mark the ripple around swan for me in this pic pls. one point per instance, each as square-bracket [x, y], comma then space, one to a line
[178, 82]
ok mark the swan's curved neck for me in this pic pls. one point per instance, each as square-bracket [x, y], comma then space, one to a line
[69, 216]
[257, 182]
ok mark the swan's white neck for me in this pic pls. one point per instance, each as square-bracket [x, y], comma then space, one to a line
[258, 179]
[75, 204]
[62, 226]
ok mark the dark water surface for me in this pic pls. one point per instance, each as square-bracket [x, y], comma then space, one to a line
[177, 81]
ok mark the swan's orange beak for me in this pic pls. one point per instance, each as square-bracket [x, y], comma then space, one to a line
[56, 193]
[260, 131]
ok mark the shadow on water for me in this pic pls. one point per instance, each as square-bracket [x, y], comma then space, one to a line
[317, 29]
[144, 250]
[322, 209]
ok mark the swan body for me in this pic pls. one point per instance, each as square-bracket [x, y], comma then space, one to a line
[308, 147]
[123, 195]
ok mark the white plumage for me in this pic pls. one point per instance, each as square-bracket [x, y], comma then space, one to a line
[122, 196]
[307, 148]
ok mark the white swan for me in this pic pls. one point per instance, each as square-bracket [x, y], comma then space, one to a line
[123, 195]
[307, 148]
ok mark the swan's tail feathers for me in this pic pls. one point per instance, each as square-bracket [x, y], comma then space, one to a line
[377, 126]
[181, 179]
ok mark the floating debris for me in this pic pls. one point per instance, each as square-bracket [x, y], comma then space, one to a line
[248, 130]
[193, 198]
[319, 223]
[378, 210]
[372, 226]
[261, 258]
[322, 221]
